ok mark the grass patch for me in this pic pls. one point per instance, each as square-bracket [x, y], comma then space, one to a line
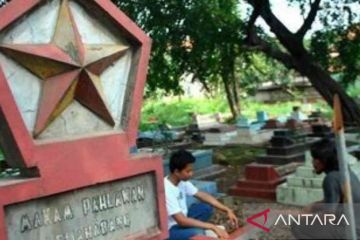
[177, 112]
[236, 156]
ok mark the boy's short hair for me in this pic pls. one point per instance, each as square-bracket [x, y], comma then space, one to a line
[325, 151]
[180, 159]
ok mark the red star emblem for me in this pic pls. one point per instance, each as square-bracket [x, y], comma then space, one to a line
[70, 70]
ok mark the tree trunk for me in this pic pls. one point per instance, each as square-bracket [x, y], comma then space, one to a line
[229, 97]
[235, 95]
[228, 77]
[297, 57]
[328, 87]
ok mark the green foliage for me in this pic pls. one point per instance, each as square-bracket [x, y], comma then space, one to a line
[177, 112]
[254, 68]
[338, 51]
[333, 13]
[205, 37]
[200, 37]
[236, 156]
[354, 89]
[337, 45]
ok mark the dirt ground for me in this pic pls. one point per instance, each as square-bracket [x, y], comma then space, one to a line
[235, 160]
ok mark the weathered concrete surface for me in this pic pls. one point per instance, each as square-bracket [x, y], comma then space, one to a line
[305, 186]
[75, 163]
[108, 211]
[39, 28]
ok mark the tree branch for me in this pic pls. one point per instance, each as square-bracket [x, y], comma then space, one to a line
[252, 38]
[277, 54]
[315, 6]
[288, 39]
[253, 41]
[349, 12]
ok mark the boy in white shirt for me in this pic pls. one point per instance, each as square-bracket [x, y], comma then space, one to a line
[184, 223]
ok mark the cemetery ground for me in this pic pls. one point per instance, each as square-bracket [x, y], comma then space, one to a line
[234, 158]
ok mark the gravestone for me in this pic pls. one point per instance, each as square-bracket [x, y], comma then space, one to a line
[352, 134]
[261, 180]
[216, 137]
[285, 153]
[251, 132]
[272, 124]
[243, 122]
[305, 186]
[286, 146]
[71, 85]
[214, 132]
[262, 116]
[321, 131]
[303, 126]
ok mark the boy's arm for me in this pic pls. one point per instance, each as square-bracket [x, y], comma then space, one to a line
[205, 197]
[184, 221]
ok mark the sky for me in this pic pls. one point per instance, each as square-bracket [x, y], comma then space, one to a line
[290, 16]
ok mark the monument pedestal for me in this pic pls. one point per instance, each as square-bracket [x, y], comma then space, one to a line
[104, 204]
[72, 75]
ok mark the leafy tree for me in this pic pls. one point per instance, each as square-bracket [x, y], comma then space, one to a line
[213, 29]
[191, 37]
[206, 37]
[295, 55]
[338, 50]
[254, 68]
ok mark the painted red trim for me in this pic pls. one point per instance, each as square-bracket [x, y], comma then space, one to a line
[2, 223]
[124, 21]
[68, 164]
[14, 10]
[138, 95]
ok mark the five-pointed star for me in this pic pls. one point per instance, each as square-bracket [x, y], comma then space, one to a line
[69, 69]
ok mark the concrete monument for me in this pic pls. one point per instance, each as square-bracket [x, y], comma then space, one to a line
[71, 84]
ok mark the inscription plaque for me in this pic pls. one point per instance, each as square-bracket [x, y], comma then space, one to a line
[109, 211]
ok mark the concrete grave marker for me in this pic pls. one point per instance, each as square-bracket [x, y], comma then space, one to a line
[261, 116]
